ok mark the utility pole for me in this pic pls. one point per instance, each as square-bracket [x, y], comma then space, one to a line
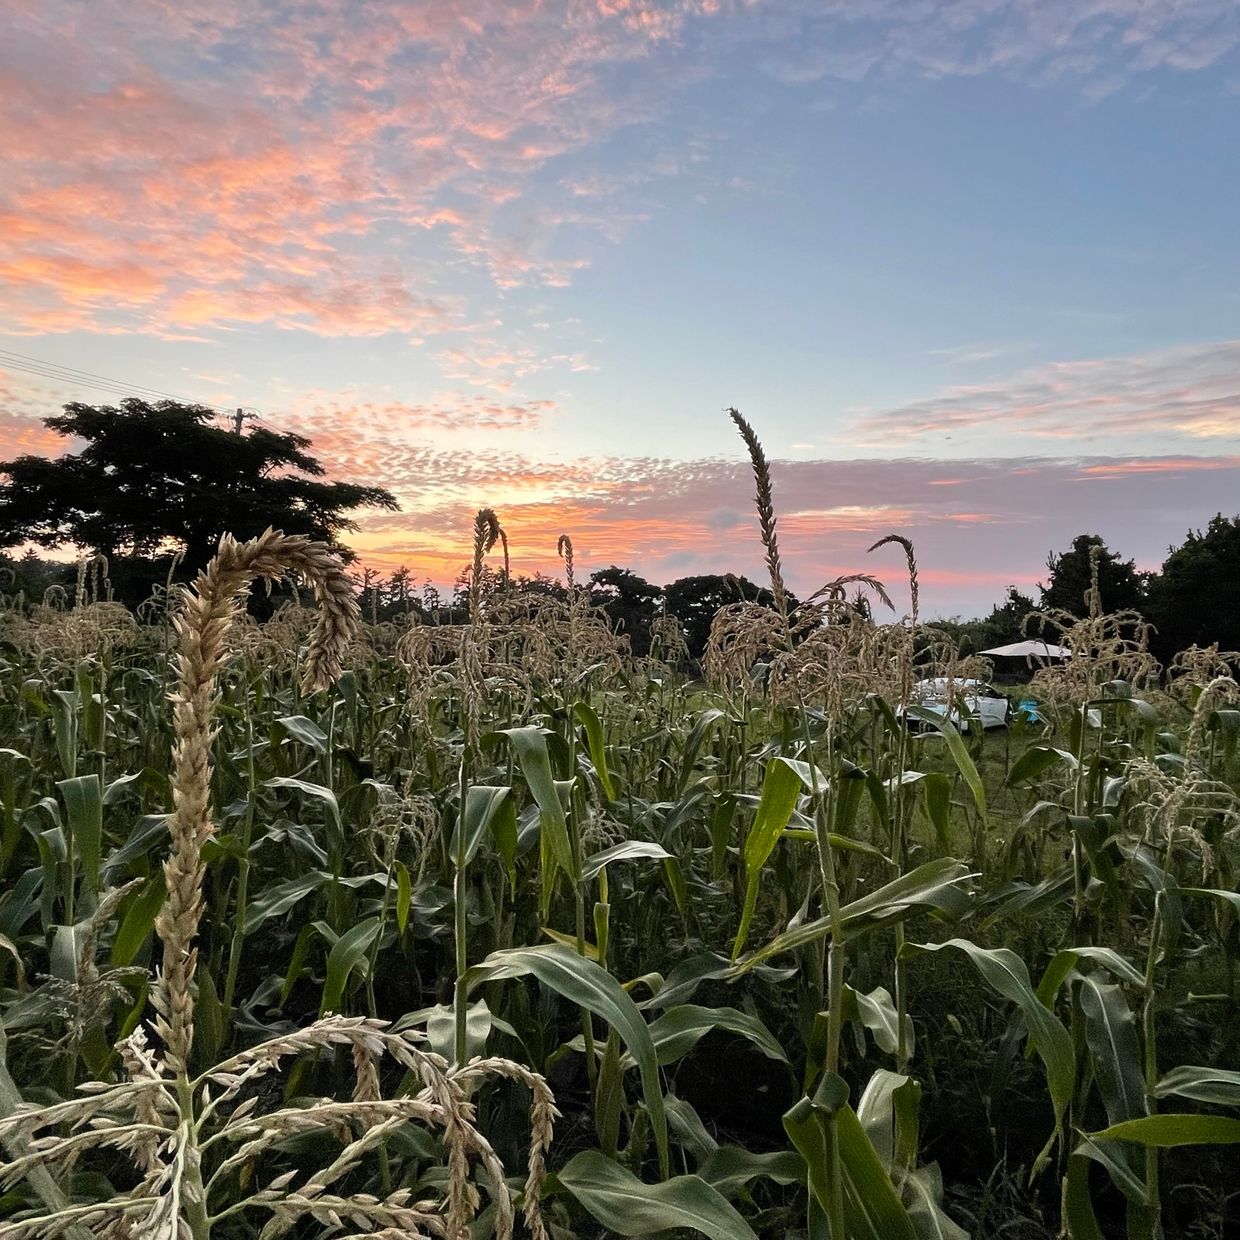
[238, 420]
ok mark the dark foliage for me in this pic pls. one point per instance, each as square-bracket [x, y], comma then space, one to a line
[631, 603]
[151, 479]
[1121, 585]
[694, 601]
[1196, 597]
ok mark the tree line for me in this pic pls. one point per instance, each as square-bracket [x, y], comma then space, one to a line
[1193, 598]
[153, 485]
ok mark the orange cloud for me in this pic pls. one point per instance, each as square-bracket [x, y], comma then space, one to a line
[170, 171]
[669, 518]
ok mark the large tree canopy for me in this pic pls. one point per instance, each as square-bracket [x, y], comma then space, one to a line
[630, 602]
[1120, 584]
[1196, 597]
[695, 600]
[157, 478]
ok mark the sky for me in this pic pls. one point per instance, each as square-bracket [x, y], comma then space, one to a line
[968, 266]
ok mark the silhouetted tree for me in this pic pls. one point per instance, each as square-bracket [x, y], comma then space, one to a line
[630, 601]
[1005, 624]
[30, 576]
[152, 479]
[1196, 596]
[1121, 585]
[694, 601]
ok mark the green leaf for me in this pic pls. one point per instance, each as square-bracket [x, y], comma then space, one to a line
[296, 961]
[279, 898]
[877, 1013]
[960, 755]
[678, 1030]
[64, 724]
[872, 1207]
[1077, 1207]
[482, 805]
[688, 755]
[319, 793]
[628, 850]
[781, 787]
[1111, 1033]
[609, 1096]
[209, 1019]
[888, 1111]
[1218, 1085]
[1231, 897]
[404, 895]
[305, 730]
[1034, 761]
[1113, 1155]
[7, 944]
[1065, 961]
[83, 798]
[1005, 972]
[626, 1206]
[676, 882]
[589, 986]
[348, 951]
[939, 886]
[1169, 1131]
[530, 746]
[729, 1168]
[598, 750]
[937, 791]
[138, 920]
[441, 1030]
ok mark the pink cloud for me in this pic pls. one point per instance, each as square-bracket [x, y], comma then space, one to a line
[170, 170]
[1192, 392]
[669, 518]
[978, 523]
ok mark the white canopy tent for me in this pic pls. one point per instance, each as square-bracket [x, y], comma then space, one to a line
[1030, 650]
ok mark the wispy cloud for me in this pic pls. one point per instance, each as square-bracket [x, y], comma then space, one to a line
[1100, 45]
[321, 166]
[1191, 393]
[336, 167]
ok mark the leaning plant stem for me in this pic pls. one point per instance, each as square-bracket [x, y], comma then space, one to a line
[384, 905]
[579, 894]
[1151, 1066]
[460, 926]
[1078, 806]
[193, 1193]
[206, 617]
[903, 1050]
[40, 1177]
[243, 865]
[836, 963]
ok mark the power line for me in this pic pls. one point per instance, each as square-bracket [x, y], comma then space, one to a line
[71, 375]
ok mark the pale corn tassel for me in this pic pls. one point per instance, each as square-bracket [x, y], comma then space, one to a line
[503, 538]
[763, 497]
[914, 591]
[1094, 597]
[543, 1114]
[564, 549]
[207, 614]
[486, 535]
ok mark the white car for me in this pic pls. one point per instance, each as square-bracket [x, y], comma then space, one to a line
[962, 701]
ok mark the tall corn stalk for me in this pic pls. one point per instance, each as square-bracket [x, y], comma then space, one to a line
[170, 1122]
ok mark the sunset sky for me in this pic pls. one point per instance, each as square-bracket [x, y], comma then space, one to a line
[969, 266]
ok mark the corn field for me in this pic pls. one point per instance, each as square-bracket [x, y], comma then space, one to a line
[325, 927]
